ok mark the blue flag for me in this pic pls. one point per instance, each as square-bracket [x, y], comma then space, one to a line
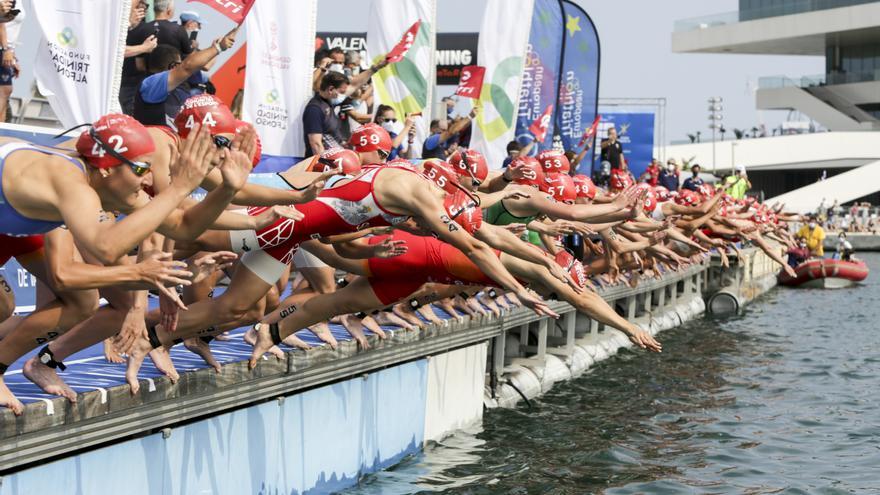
[578, 89]
[541, 70]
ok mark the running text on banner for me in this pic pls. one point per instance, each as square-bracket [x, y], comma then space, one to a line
[236, 10]
[470, 85]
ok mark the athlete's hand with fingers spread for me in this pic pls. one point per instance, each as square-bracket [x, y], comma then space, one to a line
[204, 266]
[535, 303]
[273, 214]
[389, 248]
[236, 164]
[158, 269]
[563, 276]
[194, 160]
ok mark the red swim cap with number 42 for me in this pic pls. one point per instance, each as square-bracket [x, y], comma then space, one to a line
[122, 134]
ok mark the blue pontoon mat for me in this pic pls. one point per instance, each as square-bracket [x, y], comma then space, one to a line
[88, 370]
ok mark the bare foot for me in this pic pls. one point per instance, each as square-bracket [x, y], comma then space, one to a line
[223, 336]
[9, 400]
[355, 328]
[322, 331]
[46, 378]
[250, 337]
[139, 350]
[370, 324]
[203, 350]
[262, 343]
[162, 360]
[490, 303]
[391, 319]
[446, 305]
[293, 341]
[110, 353]
[427, 311]
[404, 312]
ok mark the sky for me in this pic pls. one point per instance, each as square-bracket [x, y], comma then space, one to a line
[637, 59]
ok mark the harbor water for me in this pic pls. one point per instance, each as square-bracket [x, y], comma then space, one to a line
[781, 399]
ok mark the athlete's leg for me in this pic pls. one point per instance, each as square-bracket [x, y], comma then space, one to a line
[44, 324]
[355, 297]
[586, 302]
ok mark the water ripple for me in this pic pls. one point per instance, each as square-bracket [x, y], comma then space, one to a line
[782, 399]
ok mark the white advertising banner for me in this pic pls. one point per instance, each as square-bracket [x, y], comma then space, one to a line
[278, 78]
[78, 67]
[406, 85]
[504, 36]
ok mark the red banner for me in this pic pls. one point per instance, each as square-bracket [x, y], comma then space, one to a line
[591, 131]
[399, 51]
[541, 124]
[470, 85]
[236, 10]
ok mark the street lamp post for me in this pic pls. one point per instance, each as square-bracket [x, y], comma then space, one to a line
[733, 155]
[715, 118]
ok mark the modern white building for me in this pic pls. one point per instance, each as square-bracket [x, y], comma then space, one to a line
[845, 99]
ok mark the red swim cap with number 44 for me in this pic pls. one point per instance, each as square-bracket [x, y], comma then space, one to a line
[370, 137]
[122, 134]
[207, 111]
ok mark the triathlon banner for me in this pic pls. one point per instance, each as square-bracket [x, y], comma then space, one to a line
[504, 37]
[579, 81]
[77, 67]
[636, 133]
[278, 79]
[540, 77]
[405, 85]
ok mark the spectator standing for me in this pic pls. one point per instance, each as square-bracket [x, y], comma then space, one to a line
[322, 127]
[669, 176]
[516, 150]
[737, 184]
[450, 102]
[401, 132]
[160, 95]
[814, 235]
[612, 150]
[9, 69]
[165, 32]
[693, 182]
[443, 136]
[651, 174]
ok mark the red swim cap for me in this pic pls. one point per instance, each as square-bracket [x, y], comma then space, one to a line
[662, 194]
[122, 134]
[562, 187]
[370, 137]
[534, 176]
[584, 186]
[475, 167]
[620, 180]
[207, 111]
[574, 267]
[440, 173]
[464, 211]
[554, 161]
[338, 158]
[687, 197]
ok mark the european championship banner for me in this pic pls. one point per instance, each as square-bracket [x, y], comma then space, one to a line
[579, 81]
[502, 49]
[405, 85]
[635, 132]
[278, 78]
[540, 72]
[79, 68]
